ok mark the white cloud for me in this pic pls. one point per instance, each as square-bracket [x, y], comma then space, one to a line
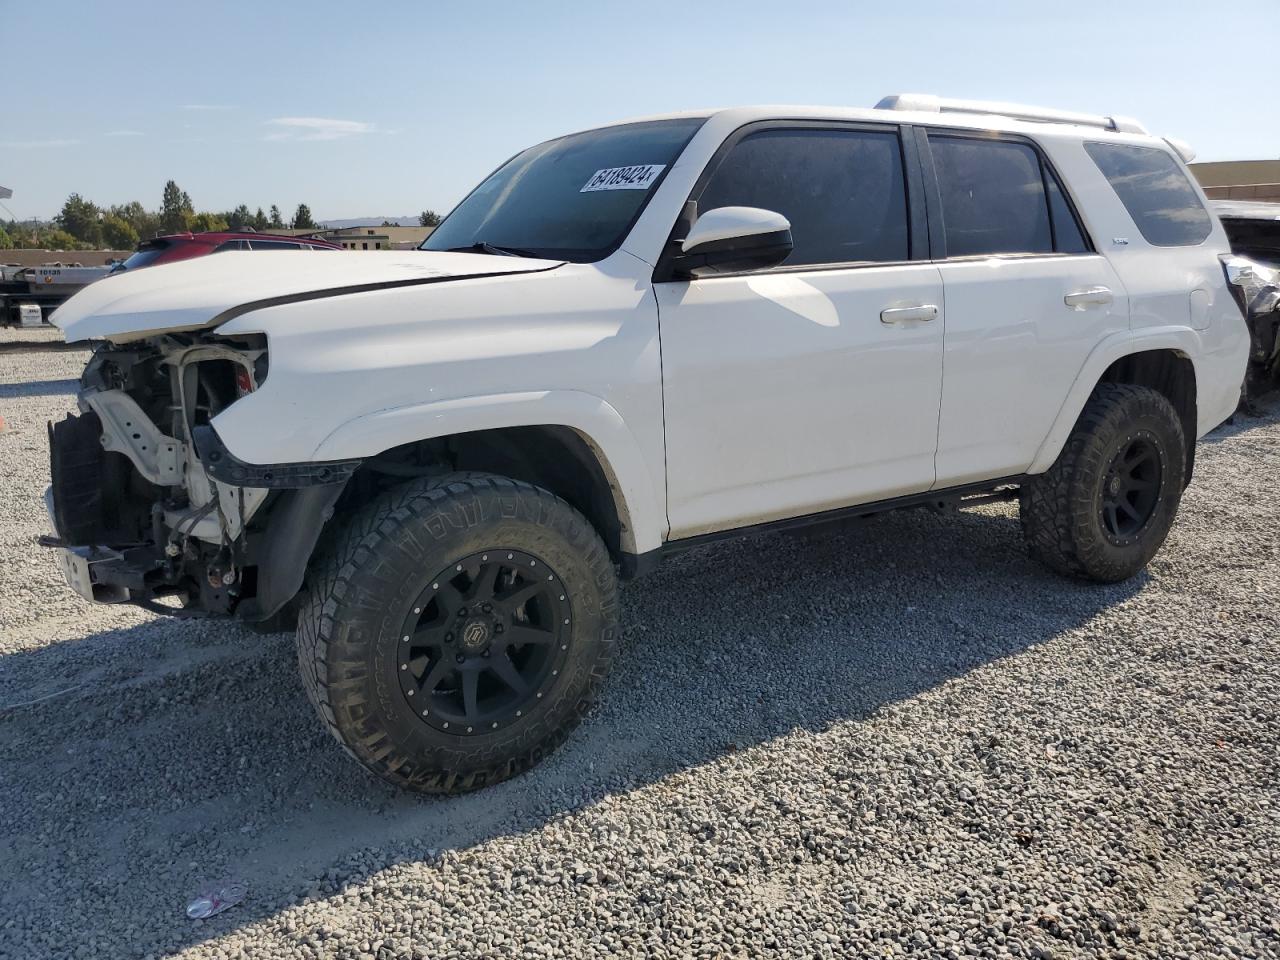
[35, 144]
[207, 106]
[316, 128]
[124, 133]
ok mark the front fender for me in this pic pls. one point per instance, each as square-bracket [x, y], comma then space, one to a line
[1121, 344]
[594, 419]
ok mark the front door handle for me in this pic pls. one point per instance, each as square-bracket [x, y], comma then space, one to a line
[926, 311]
[1094, 296]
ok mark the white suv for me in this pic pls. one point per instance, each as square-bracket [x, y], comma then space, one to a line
[626, 342]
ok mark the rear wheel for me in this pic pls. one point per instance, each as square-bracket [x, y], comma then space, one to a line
[1106, 505]
[458, 631]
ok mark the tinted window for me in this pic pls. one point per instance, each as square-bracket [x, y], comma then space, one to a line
[574, 198]
[275, 245]
[1259, 239]
[229, 245]
[1155, 191]
[148, 252]
[1067, 235]
[993, 198]
[842, 190]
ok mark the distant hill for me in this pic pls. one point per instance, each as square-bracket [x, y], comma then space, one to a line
[370, 222]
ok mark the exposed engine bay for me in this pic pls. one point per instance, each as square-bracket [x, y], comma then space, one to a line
[137, 513]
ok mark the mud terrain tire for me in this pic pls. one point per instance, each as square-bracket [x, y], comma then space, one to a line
[496, 702]
[1106, 505]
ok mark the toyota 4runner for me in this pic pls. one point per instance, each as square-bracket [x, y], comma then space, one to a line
[625, 342]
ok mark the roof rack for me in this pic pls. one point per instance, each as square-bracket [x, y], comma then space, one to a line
[927, 103]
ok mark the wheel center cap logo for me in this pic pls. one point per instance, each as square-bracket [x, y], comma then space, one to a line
[475, 634]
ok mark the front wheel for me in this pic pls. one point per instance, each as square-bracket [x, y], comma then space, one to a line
[1106, 505]
[458, 631]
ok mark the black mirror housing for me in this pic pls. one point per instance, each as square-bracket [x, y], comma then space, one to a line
[756, 251]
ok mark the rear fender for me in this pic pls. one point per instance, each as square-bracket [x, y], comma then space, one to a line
[1183, 340]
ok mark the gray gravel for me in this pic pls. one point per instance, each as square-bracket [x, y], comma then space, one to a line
[901, 738]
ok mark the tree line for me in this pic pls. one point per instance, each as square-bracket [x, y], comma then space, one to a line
[83, 225]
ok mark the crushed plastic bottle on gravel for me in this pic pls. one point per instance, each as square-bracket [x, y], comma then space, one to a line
[213, 900]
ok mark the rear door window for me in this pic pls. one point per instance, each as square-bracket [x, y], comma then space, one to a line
[843, 190]
[275, 245]
[1067, 235]
[993, 197]
[1155, 191]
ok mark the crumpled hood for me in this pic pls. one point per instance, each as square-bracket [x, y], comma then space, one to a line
[195, 293]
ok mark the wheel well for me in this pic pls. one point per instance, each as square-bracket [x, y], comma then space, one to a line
[1170, 373]
[556, 458]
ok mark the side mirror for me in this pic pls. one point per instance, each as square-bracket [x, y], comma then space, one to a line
[730, 239]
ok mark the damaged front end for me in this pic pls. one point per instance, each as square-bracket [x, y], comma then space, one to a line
[1256, 288]
[148, 504]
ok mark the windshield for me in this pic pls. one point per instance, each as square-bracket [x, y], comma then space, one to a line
[573, 198]
[148, 251]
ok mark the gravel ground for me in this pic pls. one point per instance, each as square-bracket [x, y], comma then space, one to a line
[899, 738]
[45, 333]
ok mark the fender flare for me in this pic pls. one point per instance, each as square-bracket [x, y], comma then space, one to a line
[1182, 340]
[635, 490]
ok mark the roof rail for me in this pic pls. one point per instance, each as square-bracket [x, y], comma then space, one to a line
[927, 103]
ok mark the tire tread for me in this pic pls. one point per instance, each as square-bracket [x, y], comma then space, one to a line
[332, 661]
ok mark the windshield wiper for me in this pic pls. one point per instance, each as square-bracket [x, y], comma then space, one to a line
[481, 246]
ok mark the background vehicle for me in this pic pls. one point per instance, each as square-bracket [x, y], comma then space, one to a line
[49, 285]
[1253, 229]
[184, 246]
[24, 290]
[442, 460]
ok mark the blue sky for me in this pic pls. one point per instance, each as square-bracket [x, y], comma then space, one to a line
[386, 108]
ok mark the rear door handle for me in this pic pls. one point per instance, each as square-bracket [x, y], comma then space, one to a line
[926, 311]
[1094, 296]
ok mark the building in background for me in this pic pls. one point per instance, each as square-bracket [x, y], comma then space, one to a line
[367, 238]
[1240, 179]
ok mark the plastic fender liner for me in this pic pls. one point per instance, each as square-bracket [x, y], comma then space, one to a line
[292, 533]
[222, 465]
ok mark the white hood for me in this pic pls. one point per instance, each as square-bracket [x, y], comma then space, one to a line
[193, 293]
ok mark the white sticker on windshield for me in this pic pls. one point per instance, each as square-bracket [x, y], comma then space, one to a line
[624, 178]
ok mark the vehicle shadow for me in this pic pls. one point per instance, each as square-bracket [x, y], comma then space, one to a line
[1258, 412]
[188, 753]
[38, 388]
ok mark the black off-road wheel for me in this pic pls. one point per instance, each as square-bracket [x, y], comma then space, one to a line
[1106, 505]
[457, 630]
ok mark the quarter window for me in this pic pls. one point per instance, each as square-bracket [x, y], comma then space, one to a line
[842, 190]
[1155, 191]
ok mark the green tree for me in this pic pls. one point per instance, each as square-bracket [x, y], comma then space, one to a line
[5, 242]
[206, 222]
[57, 240]
[144, 222]
[260, 221]
[302, 218]
[429, 218]
[118, 234]
[276, 222]
[174, 209]
[239, 218]
[82, 220]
